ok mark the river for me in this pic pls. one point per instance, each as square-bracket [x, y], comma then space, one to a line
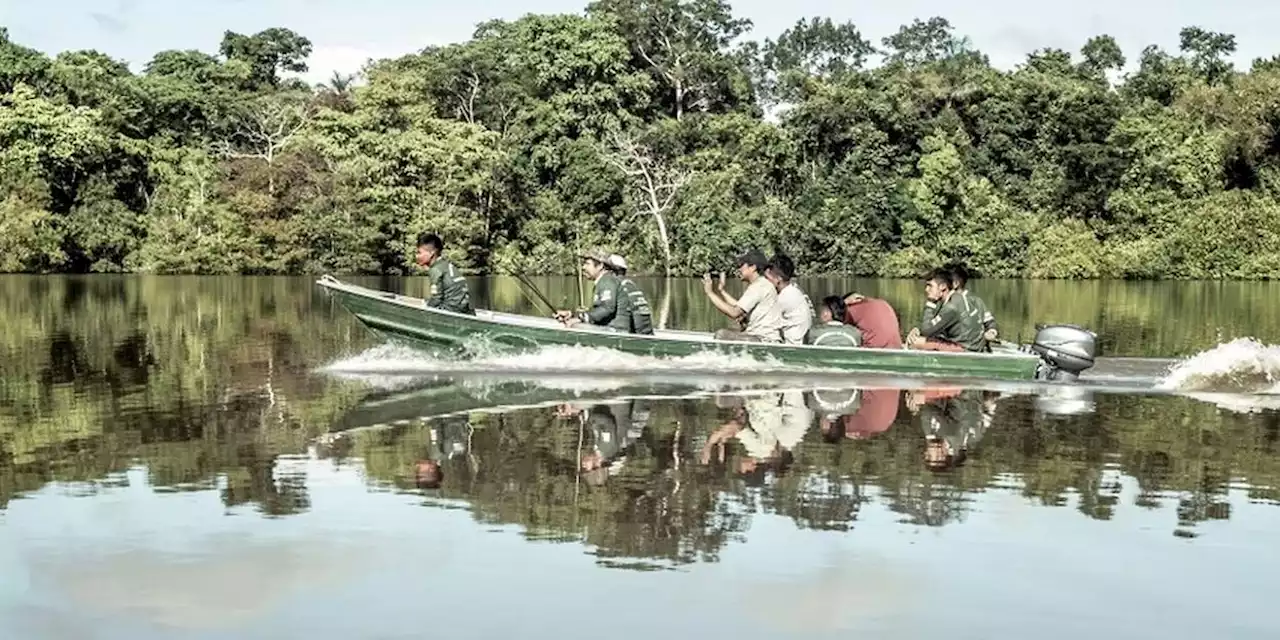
[235, 457]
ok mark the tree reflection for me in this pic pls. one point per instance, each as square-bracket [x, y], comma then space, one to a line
[208, 384]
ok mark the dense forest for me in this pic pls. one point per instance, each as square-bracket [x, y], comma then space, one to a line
[657, 128]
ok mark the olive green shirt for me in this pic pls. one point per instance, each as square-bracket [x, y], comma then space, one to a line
[955, 320]
[961, 420]
[638, 305]
[609, 307]
[984, 314]
[448, 288]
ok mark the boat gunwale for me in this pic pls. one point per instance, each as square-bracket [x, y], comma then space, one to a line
[329, 282]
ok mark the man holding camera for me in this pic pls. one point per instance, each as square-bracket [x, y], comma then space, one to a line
[758, 313]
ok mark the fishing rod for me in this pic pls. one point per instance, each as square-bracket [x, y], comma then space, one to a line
[527, 286]
[524, 280]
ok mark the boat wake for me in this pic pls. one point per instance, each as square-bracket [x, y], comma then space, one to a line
[1242, 375]
[391, 366]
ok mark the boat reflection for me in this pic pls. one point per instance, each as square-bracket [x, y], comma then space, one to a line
[653, 476]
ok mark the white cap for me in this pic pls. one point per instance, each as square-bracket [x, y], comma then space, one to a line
[618, 261]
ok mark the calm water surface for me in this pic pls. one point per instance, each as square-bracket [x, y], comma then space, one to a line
[192, 457]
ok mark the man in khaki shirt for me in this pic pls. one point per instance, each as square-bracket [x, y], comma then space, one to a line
[757, 311]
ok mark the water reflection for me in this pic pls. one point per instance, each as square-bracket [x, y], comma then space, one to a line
[171, 463]
[665, 480]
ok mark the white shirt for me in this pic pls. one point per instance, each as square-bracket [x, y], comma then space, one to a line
[797, 314]
[764, 314]
[775, 421]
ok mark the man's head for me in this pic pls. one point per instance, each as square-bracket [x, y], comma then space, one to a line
[618, 264]
[939, 456]
[753, 471]
[937, 285]
[959, 276]
[430, 248]
[780, 271]
[832, 309]
[595, 262]
[427, 474]
[751, 265]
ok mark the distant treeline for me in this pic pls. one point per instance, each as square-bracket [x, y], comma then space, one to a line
[641, 126]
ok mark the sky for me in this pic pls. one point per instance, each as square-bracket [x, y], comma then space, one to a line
[346, 33]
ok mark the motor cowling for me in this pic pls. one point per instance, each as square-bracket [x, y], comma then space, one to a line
[1067, 350]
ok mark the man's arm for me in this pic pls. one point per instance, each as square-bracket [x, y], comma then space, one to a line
[726, 307]
[930, 310]
[605, 306]
[730, 309]
[946, 318]
[989, 322]
[435, 276]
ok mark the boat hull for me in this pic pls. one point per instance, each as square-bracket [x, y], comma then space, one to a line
[408, 321]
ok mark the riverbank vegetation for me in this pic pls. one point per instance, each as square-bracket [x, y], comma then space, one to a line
[660, 129]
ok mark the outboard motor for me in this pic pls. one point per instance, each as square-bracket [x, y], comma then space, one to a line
[1065, 351]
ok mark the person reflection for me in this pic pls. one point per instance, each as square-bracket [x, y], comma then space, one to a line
[768, 426]
[446, 439]
[612, 428]
[862, 414]
[953, 420]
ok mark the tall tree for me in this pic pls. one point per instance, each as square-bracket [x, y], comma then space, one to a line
[686, 44]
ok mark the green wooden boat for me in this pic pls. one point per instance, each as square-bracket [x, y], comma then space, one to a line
[1058, 353]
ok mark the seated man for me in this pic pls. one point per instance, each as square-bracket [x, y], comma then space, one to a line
[641, 315]
[757, 311]
[831, 332]
[609, 308]
[948, 323]
[875, 319]
[959, 283]
[797, 309]
[448, 287]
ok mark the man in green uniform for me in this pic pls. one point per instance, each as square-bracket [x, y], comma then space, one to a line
[831, 331]
[609, 307]
[448, 287]
[953, 421]
[959, 283]
[641, 314]
[949, 322]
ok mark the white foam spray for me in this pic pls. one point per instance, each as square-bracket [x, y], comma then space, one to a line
[1243, 365]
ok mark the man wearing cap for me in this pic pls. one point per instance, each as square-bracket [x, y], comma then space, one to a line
[757, 311]
[637, 303]
[609, 307]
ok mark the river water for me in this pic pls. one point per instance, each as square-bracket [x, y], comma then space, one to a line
[238, 458]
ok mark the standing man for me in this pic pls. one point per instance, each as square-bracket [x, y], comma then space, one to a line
[448, 287]
[797, 309]
[757, 312]
[609, 308]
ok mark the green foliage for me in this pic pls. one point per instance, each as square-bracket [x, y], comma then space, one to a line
[640, 125]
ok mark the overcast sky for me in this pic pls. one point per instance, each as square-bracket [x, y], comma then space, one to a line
[345, 33]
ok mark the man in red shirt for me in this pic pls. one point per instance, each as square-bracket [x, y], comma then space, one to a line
[876, 319]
